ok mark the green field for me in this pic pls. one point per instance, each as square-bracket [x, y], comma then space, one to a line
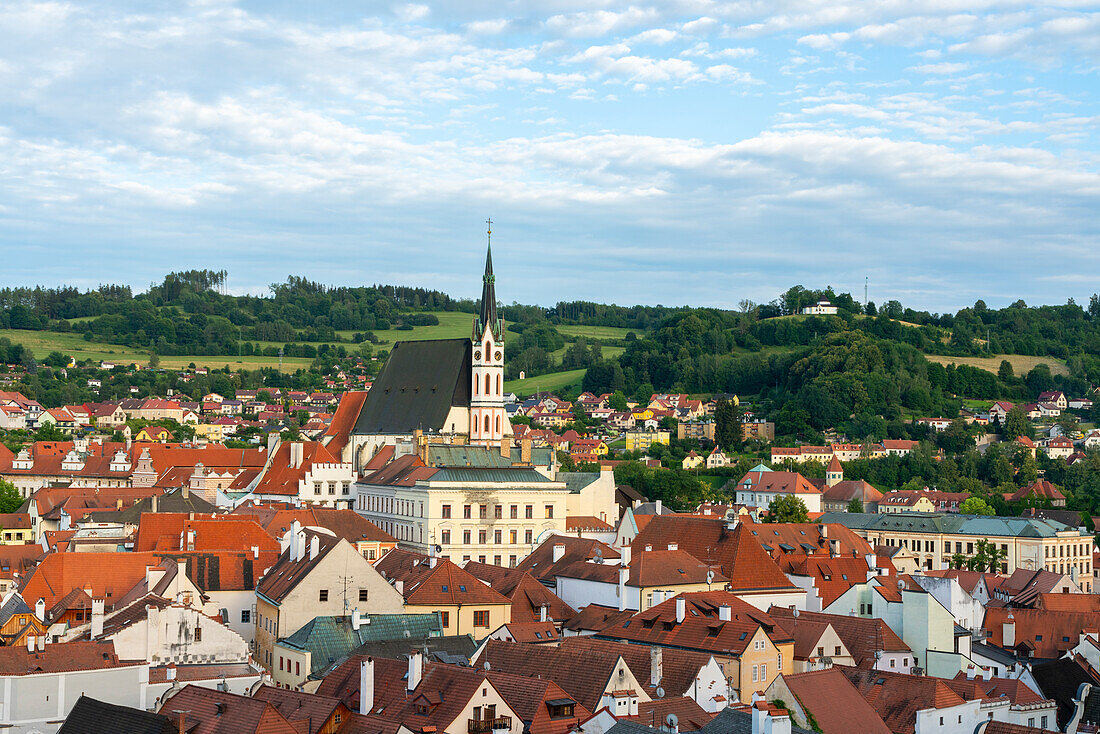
[595, 332]
[452, 325]
[41, 343]
[551, 381]
[1021, 363]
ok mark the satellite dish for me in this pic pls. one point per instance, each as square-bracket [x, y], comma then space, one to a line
[795, 612]
[710, 576]
[660, 692]
[486, 666]
[598, 558]
[901, 584]
[671, 721]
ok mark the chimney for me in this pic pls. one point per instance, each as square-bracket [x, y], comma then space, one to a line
[366, 686]
[871, 561]
[766, 721]
[255, 551]
[40, 609]
[1008, 632]
[987, 673]
[30, 643]
[624, 574]
[681, 609]
[170, 671]
[153, 503]
[525, 450]
[543, 612]
[295, 528]
[506, 448]
[559, 552]
[659, 505]
[416, 670]
[674, 546]
[624, 555]
[314, 547]
[41, 643]
[296, 454]
[97, 618]
[970, 672]
[656, 666]
[725, 613]
[432, 559]
[356, 621]
[824, 530]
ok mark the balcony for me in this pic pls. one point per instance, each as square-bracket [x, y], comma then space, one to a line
[486, 726]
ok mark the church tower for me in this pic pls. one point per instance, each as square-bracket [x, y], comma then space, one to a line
[488, 419]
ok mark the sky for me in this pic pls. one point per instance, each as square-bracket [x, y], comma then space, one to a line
[693, 152]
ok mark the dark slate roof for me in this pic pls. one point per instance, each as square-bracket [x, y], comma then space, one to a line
[633, 727]
[731, 721]
[1059, 680]
[90, 716]
[453, 649]
[171, 501]
[417, 387]
[15, 605]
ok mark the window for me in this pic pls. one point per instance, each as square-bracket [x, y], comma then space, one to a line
[198, 634]
[893, 663]
[836, 650]
[559, 711]
[513, 536]
[445, 537]
[821, 652]
[466, 511]
[370, 554]
[481, 618]
[246, 616]
[322, 595]
[465, 537]
[496, 560]
[445, 618]
[483, 511]
[763, 671]
[482, 537]
[446, 512]
[513, 511]
[549, 511]
[528, 536]
[332, 487]
[298, 671]
[363, 594]
[529, 511]
[511, 561]
[754, 674]
[316, 488]
[497, 537]
[498, 512]
[280, 662]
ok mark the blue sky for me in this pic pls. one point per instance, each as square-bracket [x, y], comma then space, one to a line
[691, 151]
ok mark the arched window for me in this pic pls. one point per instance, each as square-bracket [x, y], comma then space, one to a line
[488, 385]
[496, 422]
[477, 384]
[488, 356]
[486, 424]
[500, 384]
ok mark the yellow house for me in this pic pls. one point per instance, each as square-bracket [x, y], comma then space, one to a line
[154, 434]
[17, 622]
[430, 584]
[642, 415]
[905, 501]
[16, 529]
[693, 461]
[209, 431]
[642, 440]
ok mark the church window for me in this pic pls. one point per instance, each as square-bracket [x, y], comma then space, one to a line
[477, 383]
[486, 350]
[497, 422]
[486, 424]
[488, 387]
[500, 385]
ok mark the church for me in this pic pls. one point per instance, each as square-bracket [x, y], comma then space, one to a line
[446, 390]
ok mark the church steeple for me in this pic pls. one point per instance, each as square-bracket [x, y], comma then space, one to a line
[488, 319]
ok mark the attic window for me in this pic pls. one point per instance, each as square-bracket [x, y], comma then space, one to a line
[1065, 639]
[1038, 638]
[743, 636]
[538, 635]
[462, 588]
[444, 587]
[647, 623]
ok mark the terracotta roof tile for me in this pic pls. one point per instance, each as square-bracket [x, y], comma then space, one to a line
[838, 708]
[217, 712]
[444, 584]
[61, 657]
[862, 636]
[897, 698]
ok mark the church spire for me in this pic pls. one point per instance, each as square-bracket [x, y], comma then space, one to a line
[488, 289]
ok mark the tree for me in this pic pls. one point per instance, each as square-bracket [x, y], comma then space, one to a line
[855, 505]
[975, 506]
[1004, 372]
[787, 508]
[958, 560]
[727, 425]
[1016, 424]
[49, 432]
[10, 499]
[617, 402]
[987, 557]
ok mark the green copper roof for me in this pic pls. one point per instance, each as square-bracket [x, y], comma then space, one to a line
[332, 639]
[921, 522]
[514, 475]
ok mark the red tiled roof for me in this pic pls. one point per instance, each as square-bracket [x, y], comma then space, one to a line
[784, 482]
[679, 668]
[346, 524]
[1040, 488]
[702, 629]
[281, 478]
[217, 712]
[994, 688]
[1047, 634]
[445, 584]
[690, 716]
[860, 635]
[736, 552]
[61, 657]
[897, 698]
[168, 530]
[835, 704]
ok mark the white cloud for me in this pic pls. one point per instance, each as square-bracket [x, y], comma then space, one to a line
[941, 68]
[599, 22]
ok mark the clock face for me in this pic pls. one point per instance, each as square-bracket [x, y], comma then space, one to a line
[496, 356]
[477, 354]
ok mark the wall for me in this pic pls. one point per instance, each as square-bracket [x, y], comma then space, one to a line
[234, 602]
[169, 635]
[30, 701]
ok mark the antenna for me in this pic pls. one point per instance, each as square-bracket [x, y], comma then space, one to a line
[489, 231]
[671, 721]
[865, 292]
[660, 692]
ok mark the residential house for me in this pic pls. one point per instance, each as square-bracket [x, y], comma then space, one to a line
[826, 701]
[692, 461]
[1059, 448]
[642, 440]
[218, 712]
[1057, 397]
[431, 584]
[911, 704]
[717, 459]
[747, 643]
[1040, 490]
[317, 574]
[307, 472]
[870, 643]
[761, 486]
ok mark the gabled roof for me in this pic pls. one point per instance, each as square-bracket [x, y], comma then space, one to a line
[540, 562]
[690, 716]
[61, 657]
[344, 523]
[834, 703]
[331, 639]
[527, 594]
[1047, 634]
[780, 482]
[897, 698]
[430, 582]
[595, 617]
[282, 477]
[860, 635]
[702, 629]
[166, 531]
[736, 552]
[286, 574]
[994, 689]
[417, 387]
[679, 668]
[218, 712]
[296, 706]
[91, 716]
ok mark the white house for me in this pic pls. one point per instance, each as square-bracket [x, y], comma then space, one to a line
[822, 308]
